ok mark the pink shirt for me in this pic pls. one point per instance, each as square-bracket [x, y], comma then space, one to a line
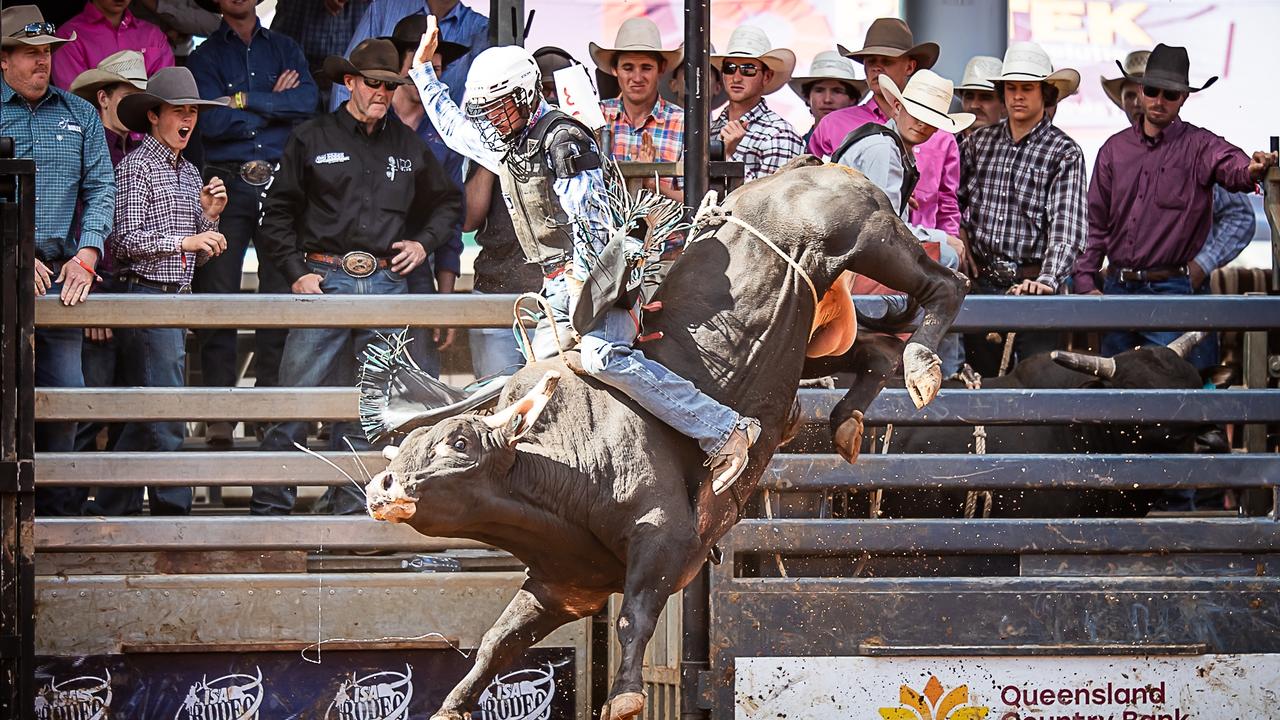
[96, 39]
[938, 161]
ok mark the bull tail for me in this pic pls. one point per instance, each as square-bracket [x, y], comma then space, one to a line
[899, 315]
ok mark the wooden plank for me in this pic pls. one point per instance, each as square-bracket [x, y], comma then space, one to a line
[290, 646]
[178, 562]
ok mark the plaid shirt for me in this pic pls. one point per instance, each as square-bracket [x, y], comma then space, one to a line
[318, 32]
[158, 205]
[1233, 227]
[1025, 201]
[770, 141]
[665, 125]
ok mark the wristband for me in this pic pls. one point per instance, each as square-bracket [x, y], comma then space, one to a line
[85, 265]
[238, 100]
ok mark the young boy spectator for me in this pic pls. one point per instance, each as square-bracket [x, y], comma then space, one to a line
[830, 85]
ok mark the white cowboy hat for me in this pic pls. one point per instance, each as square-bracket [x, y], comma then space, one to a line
[749, 42]
[639, 35]
[1028, 62]
[1134, 65]
[126, 66]
[831, 65]
[978, 73]
[927, 98]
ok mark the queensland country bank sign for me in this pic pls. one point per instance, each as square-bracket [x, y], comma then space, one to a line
[1204, 687]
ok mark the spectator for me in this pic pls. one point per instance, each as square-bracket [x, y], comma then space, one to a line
[166, 225]
[102, 28]
[271, 90]
[752, 133]
[889, 49]
[440, 273]
[715, 85]
[180, 20]
[831, 85]
[116, 77]
[322, 28]
[64, 137]
[1126, 93]
[978, 94]
[358, 203]
[550, 59]
[1150, 198]
[1022, 190]
[641, 126]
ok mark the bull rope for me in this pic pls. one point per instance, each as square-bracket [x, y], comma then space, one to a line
[973, 381]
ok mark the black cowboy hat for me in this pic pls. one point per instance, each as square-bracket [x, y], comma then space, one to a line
[375, 58]
[408, 34]
[168, 86]
[1167, 69]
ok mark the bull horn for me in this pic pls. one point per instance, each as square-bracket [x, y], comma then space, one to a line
[1187, 341]
[1092, 364]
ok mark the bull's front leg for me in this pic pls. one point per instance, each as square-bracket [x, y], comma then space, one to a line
[872, 361]
[532, 614]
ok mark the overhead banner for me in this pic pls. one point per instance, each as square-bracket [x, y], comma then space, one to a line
[1202, 687]
[345, 685]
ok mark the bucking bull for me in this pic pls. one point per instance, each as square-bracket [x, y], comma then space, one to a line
[592, 493]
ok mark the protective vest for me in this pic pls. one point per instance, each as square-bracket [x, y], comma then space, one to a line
[557, 147]
[910, 174]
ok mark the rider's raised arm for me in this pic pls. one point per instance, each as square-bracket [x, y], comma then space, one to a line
[461, 135]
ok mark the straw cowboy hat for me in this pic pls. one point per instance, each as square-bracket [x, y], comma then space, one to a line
[978, 73]
[749, 42]
[24, 25]
[409, 31]
[927, 98]
[169, 86]
[892, 38]
[1167, 69]
[375, 58]
[1028, 62]
[126, 66]
[1135, 65]
[636, 35]
[831, 65]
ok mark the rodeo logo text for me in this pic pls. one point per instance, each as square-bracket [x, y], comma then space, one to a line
[521, 695]
[230, 697]
[81, 698]
[377, 696]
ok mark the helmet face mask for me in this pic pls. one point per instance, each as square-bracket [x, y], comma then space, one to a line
[501, 119]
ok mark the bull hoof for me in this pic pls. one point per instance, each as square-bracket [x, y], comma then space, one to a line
[923, 371]
[573, 360]
[848, 438]
[623, 707]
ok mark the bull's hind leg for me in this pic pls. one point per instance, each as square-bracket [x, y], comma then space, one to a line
[531, 615]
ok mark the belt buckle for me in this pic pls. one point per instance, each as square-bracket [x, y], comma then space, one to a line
[359, 264]
[256, 172]
[184, 289]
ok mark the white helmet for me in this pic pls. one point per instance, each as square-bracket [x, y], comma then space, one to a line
[502, 85]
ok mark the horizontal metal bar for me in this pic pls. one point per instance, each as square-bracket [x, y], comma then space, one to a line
[978, 314]
[979, 537]
[952, 407]
[237, 532]
[786, 472]
[1143, 649]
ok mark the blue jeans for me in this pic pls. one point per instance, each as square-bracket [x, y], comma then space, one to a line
[494, 352]
[58, 365]
[1205, 354]
[312, 357]
[148, 357]
[423, 350]
[951, 349]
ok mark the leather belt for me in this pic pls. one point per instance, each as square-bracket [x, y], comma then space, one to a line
[171, 288]
[1155, 274]
[357, 264]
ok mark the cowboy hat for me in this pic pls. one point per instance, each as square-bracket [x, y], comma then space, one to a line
[978, 73]
[749, 42]
[892, 37]
[927, 98]
[374, 58]
[409, 31]
[24, 25]
[126, 66]
[639, 35]
[831, 65]
[1135, 64]
[168, 86]
[212, 6]
[1028, 62]
[1167, 69]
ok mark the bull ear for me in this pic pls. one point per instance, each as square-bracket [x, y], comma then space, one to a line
[390, 452]
[518, 417]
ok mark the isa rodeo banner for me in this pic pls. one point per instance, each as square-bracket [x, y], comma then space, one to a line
[346, 685]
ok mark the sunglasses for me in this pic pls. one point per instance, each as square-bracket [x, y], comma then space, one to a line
[747, 69]
[34, 29]
[1170, 95]
[376, 84]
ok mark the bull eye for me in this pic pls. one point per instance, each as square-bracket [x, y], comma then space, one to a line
[460, 444]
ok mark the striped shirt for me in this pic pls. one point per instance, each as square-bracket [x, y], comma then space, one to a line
[1025, 201]
[769, 144]
[1233, 228]
[63, 134]
[158, 205]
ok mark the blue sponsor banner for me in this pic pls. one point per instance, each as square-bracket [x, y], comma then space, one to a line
[345, 685]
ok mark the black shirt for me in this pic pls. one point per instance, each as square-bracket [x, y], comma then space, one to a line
[339, 189]
[501, 266]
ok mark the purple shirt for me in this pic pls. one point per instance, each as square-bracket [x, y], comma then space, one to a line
[1151, 199]
[96, 39]
[938, 161]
